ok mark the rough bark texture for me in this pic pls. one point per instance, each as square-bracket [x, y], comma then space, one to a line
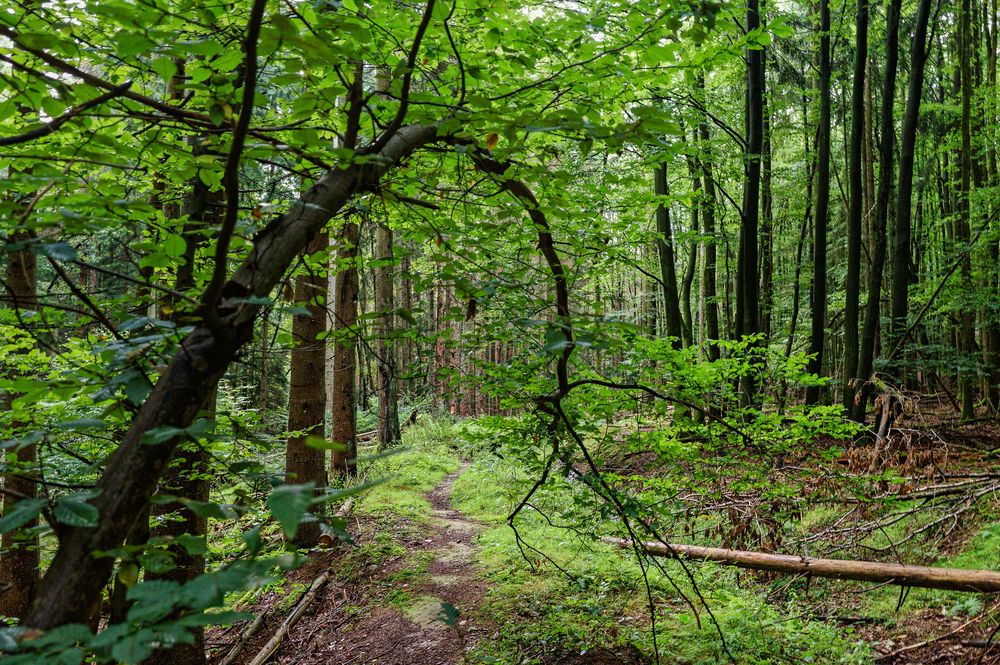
[388, 362]
[343, 416]
[75, 577]
[307, 387]
[19, 558]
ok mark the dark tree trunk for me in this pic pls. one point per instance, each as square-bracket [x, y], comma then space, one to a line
[856, 211]
[747, 274]
[665, 248]
[75, 578]
[902, 263]
[767, 222]
[343, 412]
[307, 386]
[967, 314]
[710, 304]
[880, 219]
[819, 285]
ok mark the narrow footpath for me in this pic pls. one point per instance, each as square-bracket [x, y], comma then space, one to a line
[417, 608]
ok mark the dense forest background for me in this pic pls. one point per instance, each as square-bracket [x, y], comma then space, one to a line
[290, 287]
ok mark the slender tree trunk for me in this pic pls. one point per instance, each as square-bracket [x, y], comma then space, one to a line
[665, 248]
[388, 397]
[902, 263]
[692, 263]
[343, 416]
[967, 333]
[19, 558]
[304, 463]
[747, 275]
[767, 221]
[708, 278]
[818, 306]
[880, 219]
[856, 212]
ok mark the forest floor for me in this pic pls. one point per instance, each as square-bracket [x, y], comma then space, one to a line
[435, 576]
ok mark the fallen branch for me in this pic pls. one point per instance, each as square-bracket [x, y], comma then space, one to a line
[954, 579]
[272, 645]
[242, 641]
[300, 607]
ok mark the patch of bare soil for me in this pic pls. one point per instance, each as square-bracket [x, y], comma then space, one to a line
[383, 614]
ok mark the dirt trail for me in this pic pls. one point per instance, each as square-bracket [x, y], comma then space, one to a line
[417, 609]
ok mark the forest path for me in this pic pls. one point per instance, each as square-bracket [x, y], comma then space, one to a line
[417, 608]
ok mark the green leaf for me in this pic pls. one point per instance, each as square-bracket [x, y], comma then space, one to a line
[23, 512]
[174, 245]
[288, 503]
[165, 67]
[73, 510]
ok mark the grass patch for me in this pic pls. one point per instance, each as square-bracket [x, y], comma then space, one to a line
[597, 601]
[425, 457]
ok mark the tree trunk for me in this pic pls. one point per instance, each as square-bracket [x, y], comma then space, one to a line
[665, 248]
[388, 364]
[19, 558]
[75, 578]
[710, 304]
[902, 264]
[856, 211]
[880, 219]
[343, 415]
[747, 275]
[924, 577]
[967, 315]
[822, 221]
[307, 386]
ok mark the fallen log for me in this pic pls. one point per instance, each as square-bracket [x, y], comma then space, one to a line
[953, 579]
[272, 645]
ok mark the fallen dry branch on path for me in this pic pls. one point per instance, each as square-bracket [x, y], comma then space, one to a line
[954, 579]
[286, 626]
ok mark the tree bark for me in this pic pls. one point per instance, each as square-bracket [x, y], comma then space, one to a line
[388, 362]
[307, 386]
[819, 286]
[902, 263]
[343, 409]
[665, 248]
[966, 314]
[856, 211]
[708, 277]
[924, 577]
[747, 275]
[880, 219]
[19, 558]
